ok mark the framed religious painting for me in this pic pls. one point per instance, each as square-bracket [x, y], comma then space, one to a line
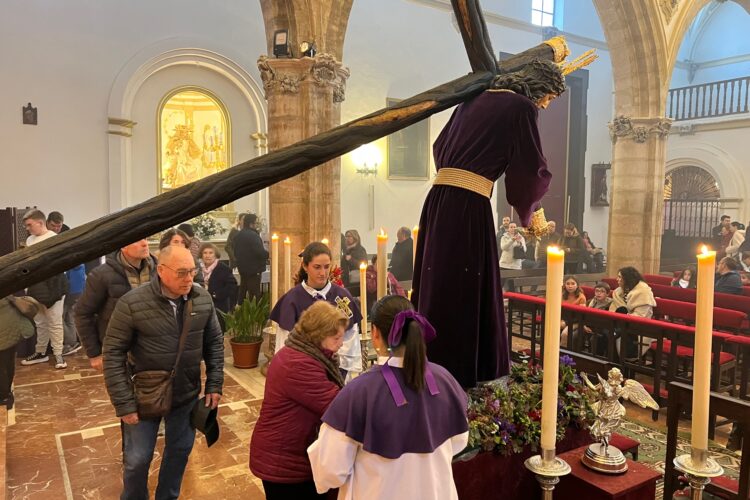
[600, 173]
[409, 150]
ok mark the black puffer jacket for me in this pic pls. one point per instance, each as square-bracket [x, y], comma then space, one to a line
[104, 287]
[143, 325]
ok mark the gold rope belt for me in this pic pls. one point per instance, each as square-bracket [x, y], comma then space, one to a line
[464, 179]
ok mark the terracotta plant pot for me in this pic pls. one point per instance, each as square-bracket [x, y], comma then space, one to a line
[245, 354]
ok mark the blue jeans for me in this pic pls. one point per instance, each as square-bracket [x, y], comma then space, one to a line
[138, 442]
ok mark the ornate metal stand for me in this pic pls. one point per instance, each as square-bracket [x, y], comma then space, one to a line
[611, 462]
[699, 469]
[548, 468]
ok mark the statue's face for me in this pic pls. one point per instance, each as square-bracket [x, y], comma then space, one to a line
[543, 102]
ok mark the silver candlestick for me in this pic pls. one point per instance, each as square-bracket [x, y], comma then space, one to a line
[547, 468]
[699, 469]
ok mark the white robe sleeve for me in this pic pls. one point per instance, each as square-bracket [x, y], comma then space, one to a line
[332, 458]
[459, 442]
[281, 336]
[350, 354]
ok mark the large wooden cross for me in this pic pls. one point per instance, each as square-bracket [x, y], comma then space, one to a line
[93, 239]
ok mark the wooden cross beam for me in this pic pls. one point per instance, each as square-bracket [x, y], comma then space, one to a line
[91, 240]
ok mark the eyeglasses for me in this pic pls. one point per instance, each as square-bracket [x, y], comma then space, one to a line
[183, 273]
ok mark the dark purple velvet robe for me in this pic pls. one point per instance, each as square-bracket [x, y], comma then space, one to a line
[456, 274]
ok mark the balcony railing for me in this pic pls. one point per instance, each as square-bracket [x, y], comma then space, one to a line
[727, 97]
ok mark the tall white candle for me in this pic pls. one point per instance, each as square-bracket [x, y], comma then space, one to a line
[287, 284]
[414, 236]
[382, 264]
[704, 317]
[555, 263]
[274, 269]
[363, 295]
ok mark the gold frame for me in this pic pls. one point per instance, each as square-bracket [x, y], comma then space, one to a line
[226, 211]
[390, 101]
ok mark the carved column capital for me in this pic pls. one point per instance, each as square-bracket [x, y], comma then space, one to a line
[668, 8]
[638, 129]
[287, 75]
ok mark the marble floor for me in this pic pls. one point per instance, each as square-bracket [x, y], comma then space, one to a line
[64, 439]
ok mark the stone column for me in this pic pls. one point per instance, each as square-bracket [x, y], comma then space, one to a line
[304, 97]
[637, 205]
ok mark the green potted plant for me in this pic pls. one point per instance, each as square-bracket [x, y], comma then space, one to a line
[244, 324]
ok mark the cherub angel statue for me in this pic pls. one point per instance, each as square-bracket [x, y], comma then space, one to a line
[609, 411]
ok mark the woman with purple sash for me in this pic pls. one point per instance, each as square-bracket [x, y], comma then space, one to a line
[393, 431]
[315, 285]
[456, 282]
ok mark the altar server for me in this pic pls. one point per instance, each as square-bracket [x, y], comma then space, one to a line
[393, 431]
[314, 277]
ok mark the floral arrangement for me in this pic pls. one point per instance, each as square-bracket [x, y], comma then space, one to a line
[335, 276]
[507, 416]
[206, 227]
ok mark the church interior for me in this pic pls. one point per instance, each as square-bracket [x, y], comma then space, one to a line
[326, 121]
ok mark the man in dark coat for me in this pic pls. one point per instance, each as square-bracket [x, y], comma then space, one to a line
[402, 257]
[128, 268]
[728, 280]
[251, 257]
[144, 334]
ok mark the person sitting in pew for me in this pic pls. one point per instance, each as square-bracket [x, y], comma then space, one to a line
[727, 278]
[602, 301]
[635, 298]
[688, 278]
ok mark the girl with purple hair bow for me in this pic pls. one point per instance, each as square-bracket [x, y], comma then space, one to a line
[393, 431]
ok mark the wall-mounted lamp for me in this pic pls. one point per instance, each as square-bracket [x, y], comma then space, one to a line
[366, 159]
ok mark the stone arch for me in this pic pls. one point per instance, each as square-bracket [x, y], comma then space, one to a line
[148, 62]
[690, 182]
[638, 52]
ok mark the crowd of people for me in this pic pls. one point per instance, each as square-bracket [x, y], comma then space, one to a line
[518, 251]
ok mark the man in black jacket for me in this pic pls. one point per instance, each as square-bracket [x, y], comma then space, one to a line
[728, 279]
[128, 268]
[402, 257]
[251, 257]
[144, 333]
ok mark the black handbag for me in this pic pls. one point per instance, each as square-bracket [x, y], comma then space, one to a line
[519, 253]
[153, 388]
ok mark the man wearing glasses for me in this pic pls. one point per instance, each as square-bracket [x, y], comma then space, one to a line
[145, 329]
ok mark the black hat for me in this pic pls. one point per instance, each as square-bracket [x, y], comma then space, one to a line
[205, 420]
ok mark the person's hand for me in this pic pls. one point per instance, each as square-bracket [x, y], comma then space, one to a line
[587, 329]
[212, 400]
[130, 419]
[96, 363]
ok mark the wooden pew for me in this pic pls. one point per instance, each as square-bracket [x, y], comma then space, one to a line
[680, 400]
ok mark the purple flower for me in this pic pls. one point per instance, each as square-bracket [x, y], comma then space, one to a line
[567, 360]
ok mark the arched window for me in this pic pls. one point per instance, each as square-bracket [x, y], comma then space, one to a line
[194, 133]
[690, 183]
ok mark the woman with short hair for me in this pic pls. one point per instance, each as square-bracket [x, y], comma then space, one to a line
[301, 382]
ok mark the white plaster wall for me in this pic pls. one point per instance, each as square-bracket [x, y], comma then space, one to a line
[64, 57]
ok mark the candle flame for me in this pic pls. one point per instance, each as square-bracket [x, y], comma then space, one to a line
[324, 241]
[275, 236]
[362, 266]
[704, 250]
[287, 240]
[416, 228]
[382, 232]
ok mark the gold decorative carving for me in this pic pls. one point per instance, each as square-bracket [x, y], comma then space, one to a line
[559, 48]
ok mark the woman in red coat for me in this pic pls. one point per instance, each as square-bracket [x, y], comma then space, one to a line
[302, 381]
